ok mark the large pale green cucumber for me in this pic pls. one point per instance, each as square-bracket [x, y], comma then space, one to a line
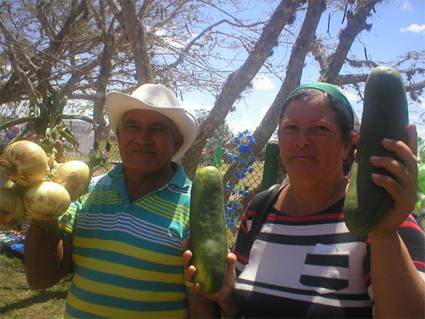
[208, 235]
[385, 115]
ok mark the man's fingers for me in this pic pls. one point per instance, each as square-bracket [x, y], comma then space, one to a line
[187, 256]
[230, 275]
[189, 273]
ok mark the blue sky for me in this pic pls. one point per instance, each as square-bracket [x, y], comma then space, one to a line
[398, 27]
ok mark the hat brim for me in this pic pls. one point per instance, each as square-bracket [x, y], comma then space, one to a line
[118, 103]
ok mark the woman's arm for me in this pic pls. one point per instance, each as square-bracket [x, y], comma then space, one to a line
[48, 256]
[399, 290]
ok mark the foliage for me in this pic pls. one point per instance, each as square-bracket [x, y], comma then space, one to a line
[238, 150]
[243, 155]
[44, 122]
[420, 204]
[213, 151]
[217, 47]
[421, 150]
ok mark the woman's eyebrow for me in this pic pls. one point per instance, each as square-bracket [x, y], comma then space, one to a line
[130, 121]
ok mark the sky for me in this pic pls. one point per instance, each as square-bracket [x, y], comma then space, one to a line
[398, 27]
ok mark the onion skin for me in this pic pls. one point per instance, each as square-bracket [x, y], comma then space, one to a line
[46, 201]
[29, 161]
[74, 176]
[11, 207]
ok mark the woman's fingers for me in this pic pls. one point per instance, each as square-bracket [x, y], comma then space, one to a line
[403, 152]
[402, 166]
[401, 180]
[412, 138]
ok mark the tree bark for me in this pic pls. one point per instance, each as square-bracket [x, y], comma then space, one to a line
[292, 79]
[43, 74]
[355, 24]
[102, 82]
[135, 32]
[240, 79]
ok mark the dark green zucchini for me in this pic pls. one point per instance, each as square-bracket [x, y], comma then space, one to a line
[385, 115]
[208, 235]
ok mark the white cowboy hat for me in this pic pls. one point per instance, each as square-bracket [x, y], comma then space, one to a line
[155, 97]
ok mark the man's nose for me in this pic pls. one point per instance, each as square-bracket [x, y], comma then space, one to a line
[145, 135]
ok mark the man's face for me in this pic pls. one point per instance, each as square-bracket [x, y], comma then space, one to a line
[147, 140]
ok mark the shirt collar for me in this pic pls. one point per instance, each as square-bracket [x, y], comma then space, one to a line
[179, 178]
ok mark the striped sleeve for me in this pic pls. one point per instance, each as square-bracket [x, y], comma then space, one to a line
[67, 220]
[413, 237]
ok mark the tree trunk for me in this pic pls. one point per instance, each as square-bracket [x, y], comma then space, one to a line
[240, 79]
[135, 32]
[355, 24]
[292, 79]
[102, 82]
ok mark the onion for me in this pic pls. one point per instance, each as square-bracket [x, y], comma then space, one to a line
[11, 207]
[46, 200]
[74, 176]
[28, 161]
[9, 184]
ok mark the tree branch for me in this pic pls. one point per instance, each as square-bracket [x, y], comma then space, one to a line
[135, 32]
[355, 24]
[292, 78]
[240, 79]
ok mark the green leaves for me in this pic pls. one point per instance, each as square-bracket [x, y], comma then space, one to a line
[46, 121]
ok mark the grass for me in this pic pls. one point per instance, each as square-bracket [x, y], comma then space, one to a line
[17, 300]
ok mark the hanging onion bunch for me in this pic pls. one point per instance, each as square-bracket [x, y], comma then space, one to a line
[35, 184]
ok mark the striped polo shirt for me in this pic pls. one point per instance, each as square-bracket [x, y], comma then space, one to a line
[310, 266]
[128, 255]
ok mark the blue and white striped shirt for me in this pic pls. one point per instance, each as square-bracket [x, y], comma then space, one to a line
[128, 255]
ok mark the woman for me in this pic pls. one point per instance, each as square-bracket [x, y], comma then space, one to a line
[305, 262]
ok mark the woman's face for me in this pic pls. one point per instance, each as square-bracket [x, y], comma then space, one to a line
[310, 140]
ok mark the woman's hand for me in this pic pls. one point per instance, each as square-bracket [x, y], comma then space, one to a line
[403, 187]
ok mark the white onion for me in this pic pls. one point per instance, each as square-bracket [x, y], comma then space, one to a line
[46, 200]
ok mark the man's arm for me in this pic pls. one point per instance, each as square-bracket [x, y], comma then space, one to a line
[48, 256]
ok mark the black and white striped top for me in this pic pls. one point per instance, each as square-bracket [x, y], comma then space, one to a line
[309, 266]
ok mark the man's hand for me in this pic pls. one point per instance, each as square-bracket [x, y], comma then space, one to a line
[223, 297]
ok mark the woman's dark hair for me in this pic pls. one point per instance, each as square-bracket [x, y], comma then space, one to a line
[345, 117]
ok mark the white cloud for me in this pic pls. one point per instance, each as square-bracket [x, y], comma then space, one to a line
[262, 82]
[416, 28]
[407, 6]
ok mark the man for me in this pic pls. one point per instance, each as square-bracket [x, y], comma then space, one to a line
[124, 239]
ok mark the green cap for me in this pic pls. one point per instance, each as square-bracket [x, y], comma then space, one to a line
[331, 89]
